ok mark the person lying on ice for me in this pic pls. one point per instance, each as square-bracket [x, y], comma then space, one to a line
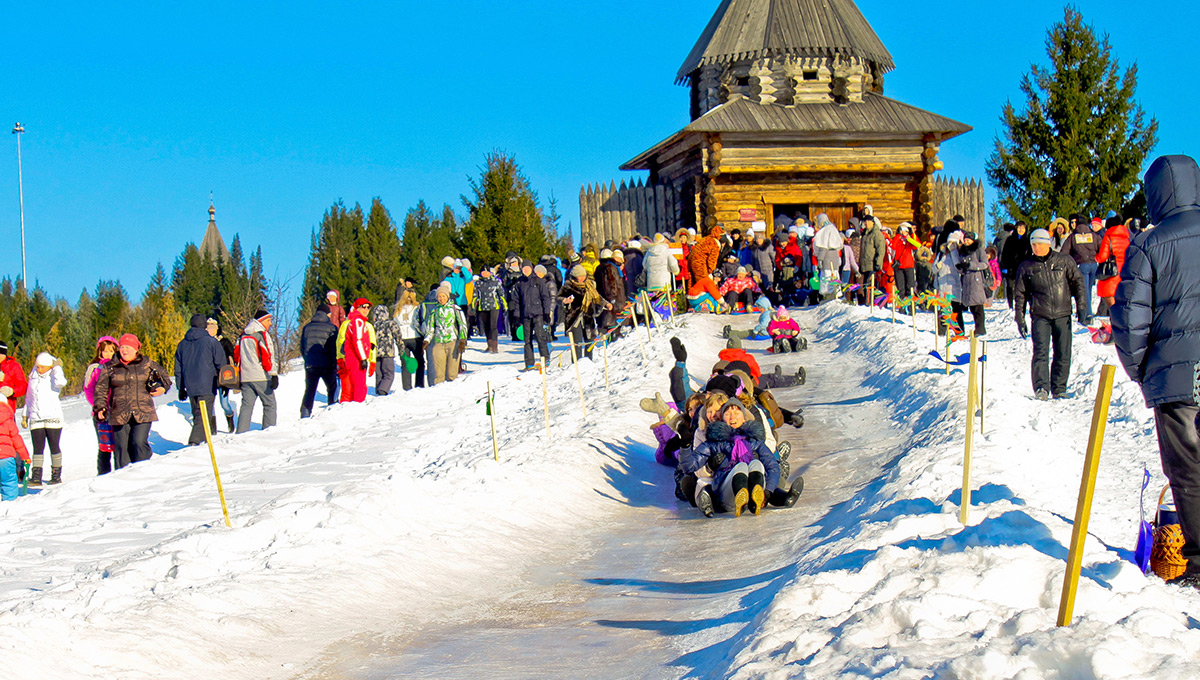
[741, 465]
[785, 333]
[736, 382]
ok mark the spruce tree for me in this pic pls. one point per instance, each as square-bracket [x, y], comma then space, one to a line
[425, 242]
[378, 252]
[1082, 139]
[334, 263]
[503, 215]
[112, 308]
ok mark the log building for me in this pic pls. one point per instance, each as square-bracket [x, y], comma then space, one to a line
[788, 116]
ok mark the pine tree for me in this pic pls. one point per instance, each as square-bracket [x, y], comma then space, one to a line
[112, 308]
[503, 215]
[1080, 144]
[257, 283]
[379, 256]
[426, 242]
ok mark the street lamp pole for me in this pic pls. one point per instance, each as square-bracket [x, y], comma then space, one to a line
[17, 130]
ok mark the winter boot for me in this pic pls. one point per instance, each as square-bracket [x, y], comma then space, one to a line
[802, 374]
[493, 346]
[704, 501]
[678, 350]
[232, 424]
[55, 475]
[803, 344]
[777, 346]
[786, 499]
[741, 494]
[734, 343]
[725, 331]
[758, 496]
[35, 478]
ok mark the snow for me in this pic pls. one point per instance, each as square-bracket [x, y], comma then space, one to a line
[383, 540]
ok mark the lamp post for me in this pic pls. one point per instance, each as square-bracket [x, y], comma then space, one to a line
[17, 130]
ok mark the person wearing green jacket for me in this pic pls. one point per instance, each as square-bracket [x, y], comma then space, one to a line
[445, 335]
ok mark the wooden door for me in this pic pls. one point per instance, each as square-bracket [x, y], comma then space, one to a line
[839, 214]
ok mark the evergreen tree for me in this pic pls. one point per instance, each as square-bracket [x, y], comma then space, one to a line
[257, 283]
[112, 308]
[379, 256]
[334, 265]
[1080, 144]
[503, 215]
[426, 242]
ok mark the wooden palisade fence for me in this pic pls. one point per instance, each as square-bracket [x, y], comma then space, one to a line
[618, 212]
[959, 197]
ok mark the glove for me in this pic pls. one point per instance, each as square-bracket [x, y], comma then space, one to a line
[273, 382]
[182, 393]
[425, 346]
[6, 391]
[20, 471]
[462, 346]
[961, 266]
[715, 460]
[363, 364]
[1022, 328]
[25, 422]
[1082, 318]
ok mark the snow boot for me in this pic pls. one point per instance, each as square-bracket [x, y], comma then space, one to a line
[733, 343]
[786, 499]
[704, 501]
[758, 496]
[494, 346]
[35, 477]
[55, 475]
[785, 466]
[802, 374]
[725, 331]
[1042, 395]
[741, 494]
[231, 422]
[803, 344]
[678, 350]
[779, 346]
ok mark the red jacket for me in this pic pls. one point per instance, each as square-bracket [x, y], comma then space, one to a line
[905, 252]
[731, 355]
[1115, 243]
[792, 248]
[13, 376]
[11, 443]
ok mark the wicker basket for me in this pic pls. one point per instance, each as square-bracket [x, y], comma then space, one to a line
[1166, 557]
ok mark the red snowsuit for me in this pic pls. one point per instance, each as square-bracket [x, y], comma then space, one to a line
[355, 344]
[13, 376]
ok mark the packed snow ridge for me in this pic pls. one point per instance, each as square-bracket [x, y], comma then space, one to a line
[372, 538]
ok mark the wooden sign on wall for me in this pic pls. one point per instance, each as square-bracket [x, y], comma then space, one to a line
[747, 214]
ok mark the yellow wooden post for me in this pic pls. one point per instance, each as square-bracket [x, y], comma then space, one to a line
[606, 362]
[982, 386]
[578, 376]
[491, 407]
[871, 297]
[213, 454]
[964, 510]
[913, 301]
[1087, 488]
[545, 395]
[948, 345]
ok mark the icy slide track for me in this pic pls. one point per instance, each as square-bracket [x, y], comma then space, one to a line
[382, 541]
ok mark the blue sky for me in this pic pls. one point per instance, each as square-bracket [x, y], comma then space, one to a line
[134, 112]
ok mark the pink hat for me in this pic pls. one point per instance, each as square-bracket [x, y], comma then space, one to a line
[130, 340]
[107, 338]
[781, 312]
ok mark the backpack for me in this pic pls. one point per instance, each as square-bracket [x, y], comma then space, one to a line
[230, 377]
[989, 278]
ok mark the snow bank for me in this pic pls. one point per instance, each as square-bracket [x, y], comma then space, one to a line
[893, 586]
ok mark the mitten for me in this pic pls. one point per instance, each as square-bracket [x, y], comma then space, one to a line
[274, 382]
[715, 460]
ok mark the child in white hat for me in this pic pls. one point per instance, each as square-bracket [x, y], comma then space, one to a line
[43, 415]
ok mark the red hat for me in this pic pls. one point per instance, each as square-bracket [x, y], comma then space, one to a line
[131, 340]
[361, 301]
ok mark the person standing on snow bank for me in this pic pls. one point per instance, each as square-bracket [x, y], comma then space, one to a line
[582, 305]
[1156, 329]
[446, 333]
[44, 416]
[256, 361]
[125, 395]
[106, 349]
[537, 304]
[12, 379]
[356, 345]
[387, 338]
[1048, 280]
[198, 360]
[13, 454]
[490, 303]
[318, 347]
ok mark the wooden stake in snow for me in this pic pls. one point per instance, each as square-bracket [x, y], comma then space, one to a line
[646, 311]
[213, 455]
[491, 409]
[641, 345]
[545, 394]
[1087, 489]
[578, 375]
[964, 510]
[913, 302]
[982, 388]
[606, 362]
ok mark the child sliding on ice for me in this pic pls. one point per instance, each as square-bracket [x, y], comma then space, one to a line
[785, 333]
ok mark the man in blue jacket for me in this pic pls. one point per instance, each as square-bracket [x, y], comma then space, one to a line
[1156, 328]
[198, 360]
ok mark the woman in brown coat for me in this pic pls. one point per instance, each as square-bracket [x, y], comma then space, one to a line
[125, 395]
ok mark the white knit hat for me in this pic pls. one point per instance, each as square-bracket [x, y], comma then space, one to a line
[44, 359]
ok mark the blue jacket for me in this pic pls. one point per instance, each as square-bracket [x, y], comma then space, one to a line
[458, 285]
[1156, 317]
[720, 438]
[198, 359]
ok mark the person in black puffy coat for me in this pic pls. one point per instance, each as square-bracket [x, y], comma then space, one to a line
[1156, 329]
[537, 304]
[318, 346]
[1048, 281]
[198, 360]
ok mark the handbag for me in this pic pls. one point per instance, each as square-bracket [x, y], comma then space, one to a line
[1107, 269]
[230, 377]
[1166, 557]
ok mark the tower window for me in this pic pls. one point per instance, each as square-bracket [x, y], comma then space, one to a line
[810, 75]
[743, 81]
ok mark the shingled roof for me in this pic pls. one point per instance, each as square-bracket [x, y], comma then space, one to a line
[877, 114]
[750, 29]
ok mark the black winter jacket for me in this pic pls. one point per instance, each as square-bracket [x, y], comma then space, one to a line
[1083, 244]
[1156, 316]
[318, 342]
[1048, 283]
[536, 298]
[198, 359]
[1016, 251]
[489, 295]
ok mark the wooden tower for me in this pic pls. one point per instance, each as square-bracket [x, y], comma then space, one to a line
[788, 115]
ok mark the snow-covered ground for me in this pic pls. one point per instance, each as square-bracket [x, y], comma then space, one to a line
[383, 540]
